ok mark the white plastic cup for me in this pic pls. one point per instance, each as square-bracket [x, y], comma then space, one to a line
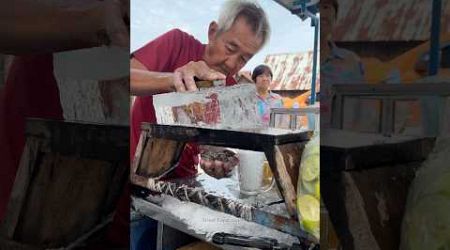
[251, 172]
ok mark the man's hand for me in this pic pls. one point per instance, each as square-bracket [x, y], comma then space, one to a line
[184, 76]
[218, 163]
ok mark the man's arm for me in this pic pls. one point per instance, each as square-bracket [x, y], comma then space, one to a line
[144, 82]
[29, 26]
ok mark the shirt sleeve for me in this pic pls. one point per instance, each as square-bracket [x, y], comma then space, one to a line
[161, 53]
[360, 67]
[278, 101]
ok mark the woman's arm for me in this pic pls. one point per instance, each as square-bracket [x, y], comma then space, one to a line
[37, 26]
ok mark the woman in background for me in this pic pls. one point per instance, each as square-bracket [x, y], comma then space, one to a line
[262, 76]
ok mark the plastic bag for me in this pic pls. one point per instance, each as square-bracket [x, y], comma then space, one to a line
[308, 187]
[426, 224]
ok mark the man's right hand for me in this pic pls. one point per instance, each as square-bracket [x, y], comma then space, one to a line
[184, 76]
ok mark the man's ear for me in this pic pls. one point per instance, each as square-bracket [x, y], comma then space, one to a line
[213, 30]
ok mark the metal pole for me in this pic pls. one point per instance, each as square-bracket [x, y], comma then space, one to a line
[314, 69]
[434, 41]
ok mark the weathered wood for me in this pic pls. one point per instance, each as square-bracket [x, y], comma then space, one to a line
[21, 184]
[6, 244]
[284, 161]
[249, 139]
[61, 192]
[138, 153]
[159, 156]
[235, 208]
[336, 158]
[292, 154]
[92, 141]
[366, 207]
[364, 187]
[283, 150]
[61, 183]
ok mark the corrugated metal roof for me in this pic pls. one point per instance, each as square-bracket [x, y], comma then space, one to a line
[292, 71]
[293, 5]
[384, 20]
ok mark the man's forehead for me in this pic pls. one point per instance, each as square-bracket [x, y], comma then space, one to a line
[241, 32]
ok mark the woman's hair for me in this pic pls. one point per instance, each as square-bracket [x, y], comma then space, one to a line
[261, 69]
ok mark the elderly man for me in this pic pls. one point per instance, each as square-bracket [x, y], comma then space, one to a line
[171, 61]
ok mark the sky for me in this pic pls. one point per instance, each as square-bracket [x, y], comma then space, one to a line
[152, 18]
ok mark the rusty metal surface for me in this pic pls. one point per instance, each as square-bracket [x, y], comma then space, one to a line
[249, 139]
[266, 208]
[292, 71]
[384, 20]
[229, 189]
[87, 140]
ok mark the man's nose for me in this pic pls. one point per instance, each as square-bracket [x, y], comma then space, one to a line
[233, 63]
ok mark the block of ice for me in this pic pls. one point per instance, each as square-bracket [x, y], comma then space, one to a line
[218, 107]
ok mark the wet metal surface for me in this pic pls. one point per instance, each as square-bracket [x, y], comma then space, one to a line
[228, 188]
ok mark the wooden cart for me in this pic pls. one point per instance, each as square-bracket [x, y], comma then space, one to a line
[67, 185]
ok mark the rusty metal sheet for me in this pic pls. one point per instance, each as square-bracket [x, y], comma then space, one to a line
[384, 20]
[292, 71]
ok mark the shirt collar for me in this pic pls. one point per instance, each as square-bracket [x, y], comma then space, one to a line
[335, 51]
[270, 95]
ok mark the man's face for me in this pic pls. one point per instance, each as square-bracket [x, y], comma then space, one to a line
[229, 51]
[327, 20]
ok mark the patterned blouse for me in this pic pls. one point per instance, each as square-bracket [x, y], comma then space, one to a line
[264, 105]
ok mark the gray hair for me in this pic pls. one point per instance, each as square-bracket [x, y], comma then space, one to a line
[251, 11]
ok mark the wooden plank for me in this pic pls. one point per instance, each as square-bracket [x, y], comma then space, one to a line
[138, 153]
[292, 157]
[336, 158]
[284, 168]
[366, 207]
[94, 141]
[159, 156]
[20, 187]
[255, 139]
[70, 191]
[7, 244]
[235, 208]
[283, 150]
[60, 183]
[119, 180]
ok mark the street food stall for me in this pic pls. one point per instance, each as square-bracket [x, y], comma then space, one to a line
[230, 216]
[220, 211]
